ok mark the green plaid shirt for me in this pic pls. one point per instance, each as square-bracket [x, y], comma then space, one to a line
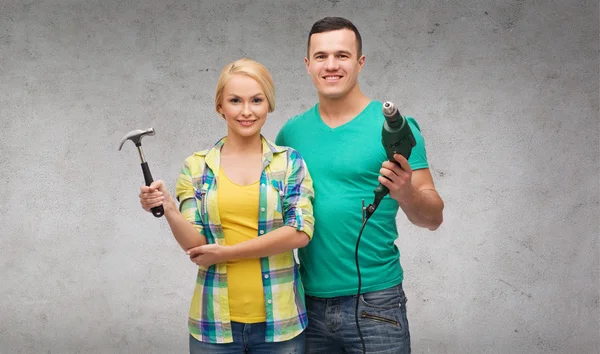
[286, 195]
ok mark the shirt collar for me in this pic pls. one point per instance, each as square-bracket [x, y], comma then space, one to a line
[213, 155]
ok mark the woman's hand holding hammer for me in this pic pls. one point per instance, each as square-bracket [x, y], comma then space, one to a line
[155, 195]
[186, 234]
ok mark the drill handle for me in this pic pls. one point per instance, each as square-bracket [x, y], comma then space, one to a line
[381, 191]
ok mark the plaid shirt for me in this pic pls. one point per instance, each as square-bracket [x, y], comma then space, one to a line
[286, 195]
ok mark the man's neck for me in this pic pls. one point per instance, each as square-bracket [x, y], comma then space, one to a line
[336, 112]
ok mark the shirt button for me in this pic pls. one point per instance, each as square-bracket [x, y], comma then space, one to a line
[262, 232]
[262, 209]
[281, 193]
[263, 185]
[269, 301]
[266, 276]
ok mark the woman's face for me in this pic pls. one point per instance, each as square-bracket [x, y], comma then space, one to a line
[244, 106]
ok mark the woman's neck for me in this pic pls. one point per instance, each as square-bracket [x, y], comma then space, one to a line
[236, 145]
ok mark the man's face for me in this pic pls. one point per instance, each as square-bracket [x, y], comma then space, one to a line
[333, 62]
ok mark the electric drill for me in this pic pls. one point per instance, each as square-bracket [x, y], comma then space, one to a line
[397, 138]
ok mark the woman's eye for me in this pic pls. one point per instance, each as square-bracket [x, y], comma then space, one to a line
[234, 100]
[258, 100]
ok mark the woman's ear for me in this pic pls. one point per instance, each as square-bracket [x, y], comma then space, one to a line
[220, 110]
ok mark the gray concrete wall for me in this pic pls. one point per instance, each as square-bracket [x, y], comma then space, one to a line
[506, 93]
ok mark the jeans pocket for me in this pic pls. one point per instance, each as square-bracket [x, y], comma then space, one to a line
[380, 318]
[383, 322]
[384, 299]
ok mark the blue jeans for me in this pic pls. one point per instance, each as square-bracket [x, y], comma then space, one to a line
[382, 319]
[249, 338]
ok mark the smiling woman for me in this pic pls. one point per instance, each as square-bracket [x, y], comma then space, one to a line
[245, 94]
[244, 105]
[244, 231]
[251, 69]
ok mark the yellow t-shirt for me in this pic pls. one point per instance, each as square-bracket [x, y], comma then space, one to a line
[238, 211]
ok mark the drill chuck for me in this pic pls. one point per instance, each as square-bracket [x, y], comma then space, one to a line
[389, 108]
[392, 115]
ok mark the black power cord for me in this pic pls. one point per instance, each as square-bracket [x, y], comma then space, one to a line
[369, 211]
[362, 341]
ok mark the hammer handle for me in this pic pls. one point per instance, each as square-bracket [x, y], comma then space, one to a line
[159, 210]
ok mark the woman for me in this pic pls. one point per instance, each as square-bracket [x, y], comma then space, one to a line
[245, 205]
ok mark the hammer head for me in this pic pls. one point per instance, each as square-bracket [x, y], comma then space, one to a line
[136, 136]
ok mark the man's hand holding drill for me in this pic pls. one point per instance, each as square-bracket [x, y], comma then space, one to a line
[398, 179]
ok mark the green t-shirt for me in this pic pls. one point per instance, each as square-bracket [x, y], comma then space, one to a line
[344, 163]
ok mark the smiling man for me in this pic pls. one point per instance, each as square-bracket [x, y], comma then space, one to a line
[340, 140]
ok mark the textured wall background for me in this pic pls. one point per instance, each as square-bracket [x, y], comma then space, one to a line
[506, 93]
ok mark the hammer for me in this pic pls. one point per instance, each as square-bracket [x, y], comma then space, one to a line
[136, 136]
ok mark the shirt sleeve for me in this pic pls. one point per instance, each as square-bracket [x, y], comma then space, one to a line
[185, 194]
[299, 195]
[418, 155]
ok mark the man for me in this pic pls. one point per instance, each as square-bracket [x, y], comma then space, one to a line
[340, 140]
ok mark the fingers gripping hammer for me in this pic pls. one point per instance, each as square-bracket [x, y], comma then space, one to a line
[136, 136]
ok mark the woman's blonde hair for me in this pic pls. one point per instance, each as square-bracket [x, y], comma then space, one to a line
[252, 69]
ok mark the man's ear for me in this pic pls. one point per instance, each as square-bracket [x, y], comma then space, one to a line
[307, 63]
[361, 61]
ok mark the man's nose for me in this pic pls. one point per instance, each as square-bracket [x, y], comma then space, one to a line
[331, 63]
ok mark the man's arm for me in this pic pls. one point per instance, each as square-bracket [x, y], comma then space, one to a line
[414, 191]
[424, 207]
